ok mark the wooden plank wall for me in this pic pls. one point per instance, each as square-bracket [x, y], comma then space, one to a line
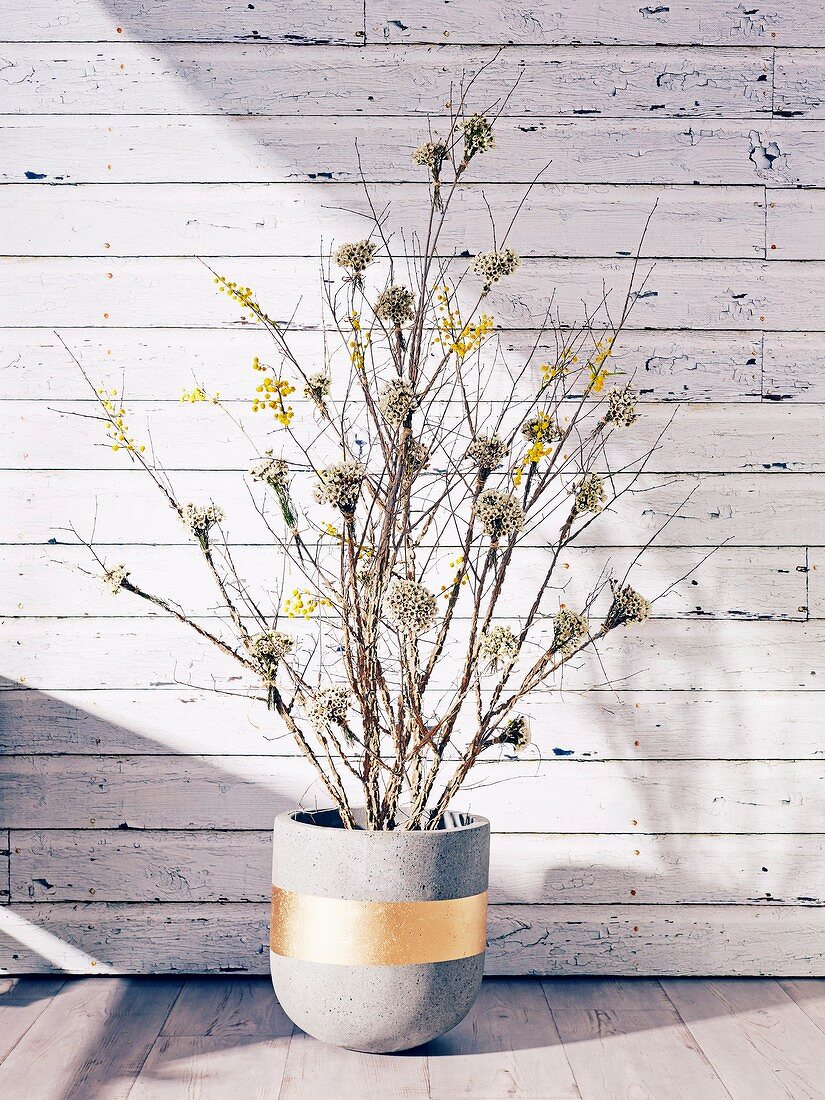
[675, 824]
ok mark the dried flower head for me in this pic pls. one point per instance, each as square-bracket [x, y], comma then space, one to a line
[267, 650]
[621, 408]
[317, 389]
[396, 399]
[498, 647]
[500, 514]
[113, 578]
[416, 457]
[541, 428]
[431, 154]
[517, 733]
[495, 265]
[340, 485]
[356, 257]
[627, 606]
[201, 518]
[409, 606]
[569, 627]
[396, 305]
[478, 135]
[272, 471]
[329, 706]
[487, 452]
[590, 494]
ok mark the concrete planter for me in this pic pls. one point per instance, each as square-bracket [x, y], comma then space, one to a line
[377, 938]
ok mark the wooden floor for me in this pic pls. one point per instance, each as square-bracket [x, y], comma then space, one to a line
[597, 1039]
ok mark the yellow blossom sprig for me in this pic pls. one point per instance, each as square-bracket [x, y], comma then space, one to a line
[361, 339]
[303, 603]
[545, 434]
[272, 392]
[198, 395]
[245, 297]
[453, 334]
[117, 430]
[460, 579]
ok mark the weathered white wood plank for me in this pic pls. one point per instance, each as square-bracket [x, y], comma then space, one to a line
[21, 1001]
[719, 655]
[522, 939]
[225, 1008]
[794, 369]
[335, 80]
[246, 792]
[178, 148]
[809, 994]
[799, 83]
[287, 21]
[611, 1054]
[816, 583]
[290, 219]
[666, 366]
[178, 293]
[311, 1066]
[552, 22]
[56, 865]
[708, 437]
[5, 867]
[622, 725]
[757, 1039]
[734, 583]
[613, 994]
[794, 224]
[212, 1069]
[508, 1045]
[741, 509]
[91, 1040]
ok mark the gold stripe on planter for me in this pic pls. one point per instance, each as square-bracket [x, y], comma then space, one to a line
[376, 933]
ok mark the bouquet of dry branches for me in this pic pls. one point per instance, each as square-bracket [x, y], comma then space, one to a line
[407, 469]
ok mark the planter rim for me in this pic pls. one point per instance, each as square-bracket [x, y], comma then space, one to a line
[468, 822]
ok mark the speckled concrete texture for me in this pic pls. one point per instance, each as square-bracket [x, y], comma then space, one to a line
[378, 1008]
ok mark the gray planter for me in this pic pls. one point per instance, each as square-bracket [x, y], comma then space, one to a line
[377, 938]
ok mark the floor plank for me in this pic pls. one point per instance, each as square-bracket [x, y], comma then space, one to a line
[312, 1067]
[619, 1052]
[223, 1007]
[809, 994]
[757, 1038]
[21, 1002]
[216, 1067]
[508, 1045]
[90, 1041]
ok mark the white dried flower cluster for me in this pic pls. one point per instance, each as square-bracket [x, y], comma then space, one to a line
[500, 514]
[541, 428]
[267, 650]
[329, 706]
[409, 606]
[628, 606]
[495, 265]
[498, 646]
[201, 518]
[517, 734]
[396, 305]
[569, 627]
[113, 578]
[590, 494]
[487, 452]
[478, 135]
[621, 408]
[317, 388]
[430, 154]
[416, 457]
[356, 256]
[395, 400]
[340, 485]
[273, 471]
